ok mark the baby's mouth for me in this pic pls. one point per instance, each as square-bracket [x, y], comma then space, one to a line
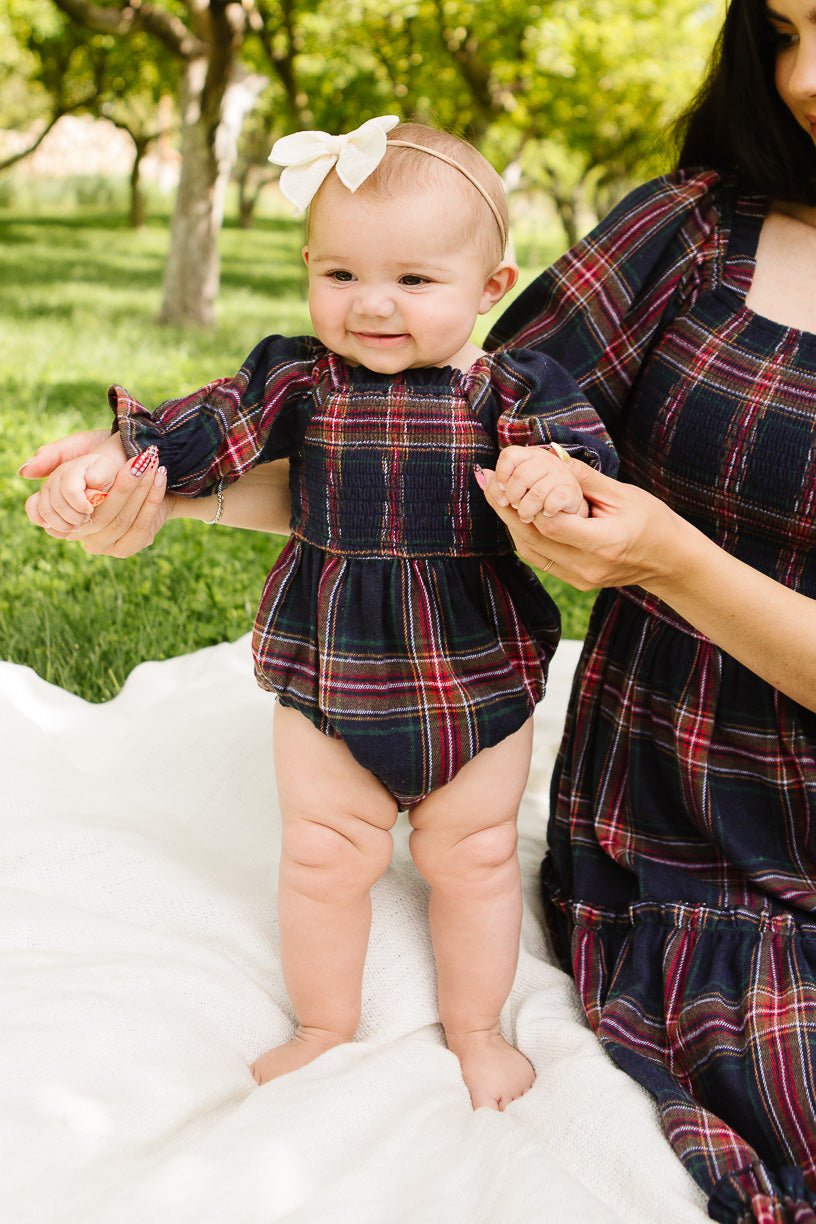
[381, 338]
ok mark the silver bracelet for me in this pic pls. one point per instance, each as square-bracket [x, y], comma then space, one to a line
[219, 492]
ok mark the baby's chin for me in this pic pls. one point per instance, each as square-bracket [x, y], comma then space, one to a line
[394, 354]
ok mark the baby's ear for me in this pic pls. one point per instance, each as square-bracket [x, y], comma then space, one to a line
[305, 254]
[499, 282]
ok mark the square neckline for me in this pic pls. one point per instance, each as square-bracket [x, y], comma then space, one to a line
[749, 216]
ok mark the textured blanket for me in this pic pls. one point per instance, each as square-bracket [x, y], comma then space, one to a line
[139, 977]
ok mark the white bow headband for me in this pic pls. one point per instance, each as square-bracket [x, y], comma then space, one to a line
[309, 156]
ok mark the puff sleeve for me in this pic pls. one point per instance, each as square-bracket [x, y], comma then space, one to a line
[535, 402]
[598, 309]
[212, 436]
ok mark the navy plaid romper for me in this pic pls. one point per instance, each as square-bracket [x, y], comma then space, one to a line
[397, 617]
[681, 878]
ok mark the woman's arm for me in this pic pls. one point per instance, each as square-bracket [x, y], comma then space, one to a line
[633, 539]
[137, 507]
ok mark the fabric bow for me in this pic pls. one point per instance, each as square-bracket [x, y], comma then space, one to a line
[309, 156]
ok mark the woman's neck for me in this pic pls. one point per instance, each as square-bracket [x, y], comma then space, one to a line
[806, 213]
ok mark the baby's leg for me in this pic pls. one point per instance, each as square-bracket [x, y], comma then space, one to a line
[464, 843]
[336, 843]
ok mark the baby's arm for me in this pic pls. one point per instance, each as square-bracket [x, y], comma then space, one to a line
[76, 487]
[537, 480]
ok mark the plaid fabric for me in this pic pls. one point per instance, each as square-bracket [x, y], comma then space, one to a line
[397, 617]
[681, 879]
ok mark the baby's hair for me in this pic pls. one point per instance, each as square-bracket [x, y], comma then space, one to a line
[409, 169]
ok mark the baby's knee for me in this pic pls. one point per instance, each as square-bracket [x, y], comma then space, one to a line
[323, 859]
[473, 858]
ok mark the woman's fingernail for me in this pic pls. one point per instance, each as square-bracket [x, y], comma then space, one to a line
[21, 469]
[96, 497]
[142, 462]
[161, 474]
[480, 477]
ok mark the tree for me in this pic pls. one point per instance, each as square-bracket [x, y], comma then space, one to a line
[77, 71]
[39, 54]
[204, 37]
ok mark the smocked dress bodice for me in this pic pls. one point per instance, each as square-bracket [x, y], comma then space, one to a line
[397, 617]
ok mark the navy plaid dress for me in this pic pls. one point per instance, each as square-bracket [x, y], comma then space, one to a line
[397, 616]
[681, 878]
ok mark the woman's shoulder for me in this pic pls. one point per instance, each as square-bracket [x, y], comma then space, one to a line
[675, 189]
[692, 199]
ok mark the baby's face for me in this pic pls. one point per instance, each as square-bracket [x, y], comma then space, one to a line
[394, 283]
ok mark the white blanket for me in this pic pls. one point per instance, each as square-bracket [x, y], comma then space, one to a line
[140, 977]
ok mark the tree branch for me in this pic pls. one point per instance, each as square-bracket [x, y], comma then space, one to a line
[55, 117]
[167, 28]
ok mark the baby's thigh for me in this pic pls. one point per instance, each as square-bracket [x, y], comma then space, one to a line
[320, 782]
[486, 791]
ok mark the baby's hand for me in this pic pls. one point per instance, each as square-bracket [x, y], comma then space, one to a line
[537, 480]
[70, 494]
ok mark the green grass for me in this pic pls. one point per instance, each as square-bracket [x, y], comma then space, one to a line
[78, 302]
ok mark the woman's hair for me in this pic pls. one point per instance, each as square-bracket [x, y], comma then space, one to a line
[738, 122]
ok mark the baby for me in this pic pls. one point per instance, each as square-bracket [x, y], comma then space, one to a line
[406, 643]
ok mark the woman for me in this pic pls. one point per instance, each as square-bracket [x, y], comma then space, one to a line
[681, 878]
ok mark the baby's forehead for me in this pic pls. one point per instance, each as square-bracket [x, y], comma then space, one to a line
[414, 213]
[435, 196]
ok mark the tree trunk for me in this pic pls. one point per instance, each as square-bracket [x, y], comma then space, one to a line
[246, 199]
[191, 273]
[136, 214]
[208, 151]
[566, 205]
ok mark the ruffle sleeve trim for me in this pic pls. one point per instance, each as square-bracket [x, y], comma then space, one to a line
[212, 436]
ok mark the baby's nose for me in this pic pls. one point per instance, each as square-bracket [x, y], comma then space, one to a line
[375, 302]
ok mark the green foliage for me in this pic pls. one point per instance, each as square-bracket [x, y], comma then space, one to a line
[54, 66]
[78, 300]
[574, 99]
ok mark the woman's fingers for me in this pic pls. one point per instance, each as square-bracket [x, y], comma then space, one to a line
[44, 460]
[621, 544]
[135, 508]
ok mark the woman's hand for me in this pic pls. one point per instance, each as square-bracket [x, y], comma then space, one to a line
[626, 540]
[136, 508]
[634, 539]
[129, 519]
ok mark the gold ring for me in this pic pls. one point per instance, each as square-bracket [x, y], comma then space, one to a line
[562, 454]
[545, 569]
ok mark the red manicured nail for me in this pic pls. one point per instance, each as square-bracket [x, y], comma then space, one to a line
[142, 462]
[481, 479]
[96, 498]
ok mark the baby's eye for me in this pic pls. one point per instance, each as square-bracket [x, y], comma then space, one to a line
[340, 274]
[412, 278]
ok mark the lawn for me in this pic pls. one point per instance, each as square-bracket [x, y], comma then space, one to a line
[78, 301]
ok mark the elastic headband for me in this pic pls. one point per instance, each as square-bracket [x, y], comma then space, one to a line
[307, 157]
[450, 161]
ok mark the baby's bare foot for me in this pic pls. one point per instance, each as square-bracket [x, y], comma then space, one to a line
[305, 1047]
[494, 1071]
